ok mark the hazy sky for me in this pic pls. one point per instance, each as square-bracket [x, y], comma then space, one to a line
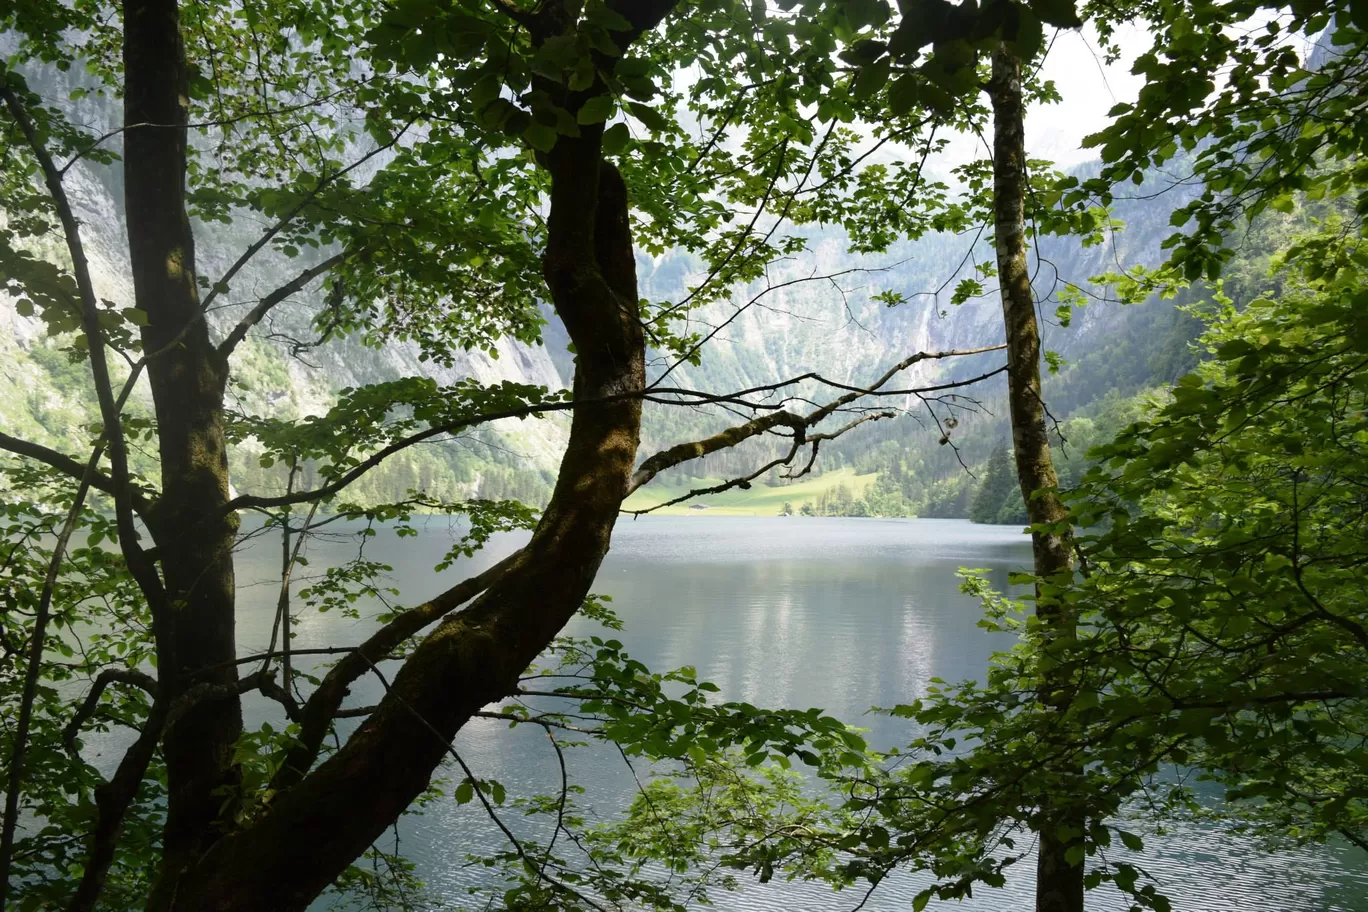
[1089, 88]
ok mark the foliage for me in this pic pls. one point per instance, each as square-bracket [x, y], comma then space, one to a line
[999, 496]
[404, 155]
[1246, 538]
[99, 623]
[403, 160]
[1221, 621]
[1265, 127]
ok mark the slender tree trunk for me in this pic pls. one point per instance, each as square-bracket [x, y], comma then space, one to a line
[1059, 885]
[195, 636]
[14, 785]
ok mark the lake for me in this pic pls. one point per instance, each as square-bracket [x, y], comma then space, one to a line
[842, 614]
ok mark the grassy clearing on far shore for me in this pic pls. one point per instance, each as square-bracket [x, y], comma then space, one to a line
[759, 500]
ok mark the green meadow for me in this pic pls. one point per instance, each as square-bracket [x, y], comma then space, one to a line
[758, 500]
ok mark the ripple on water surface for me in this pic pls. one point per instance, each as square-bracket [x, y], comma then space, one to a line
[841, 614]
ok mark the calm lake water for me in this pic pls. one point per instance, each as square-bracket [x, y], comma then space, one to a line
[842, 614]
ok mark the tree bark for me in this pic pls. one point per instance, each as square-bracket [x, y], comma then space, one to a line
[195, 635]
[326, 817]
[1059, 885]
[475, 657]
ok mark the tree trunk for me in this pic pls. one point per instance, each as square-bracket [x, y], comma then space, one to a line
[195, 628]
[474, 658]
[1059, 885]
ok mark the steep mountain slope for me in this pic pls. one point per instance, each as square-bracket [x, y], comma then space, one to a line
[822, 315]
[815, 312]
[44, 397]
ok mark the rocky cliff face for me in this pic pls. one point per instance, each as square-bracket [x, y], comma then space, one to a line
[43, 396]
[824, 318]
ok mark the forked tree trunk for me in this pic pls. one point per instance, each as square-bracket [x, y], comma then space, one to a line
[1059, 885]
[473, 658]
[312, 830]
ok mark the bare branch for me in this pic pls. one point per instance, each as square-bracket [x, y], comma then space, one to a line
[484, 800]
[88, 706]
[253, 317]
[221, 122]
[289, 216]
[193, 696]
[685, 452]
[138, 564]
[111, 801]
[68, 465]
[15, 780]
[356, 712]
[692, 397]
[799, 442]
[250, 501]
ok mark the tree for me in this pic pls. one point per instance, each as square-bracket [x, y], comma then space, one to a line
[1217, 621]
[1009, 34]
[998, 490]
[1250, 518]
[439, 168]
[1200, 546]
[1061, 824]
[1221, 624]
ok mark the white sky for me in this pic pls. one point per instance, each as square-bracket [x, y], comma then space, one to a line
[1089, 88]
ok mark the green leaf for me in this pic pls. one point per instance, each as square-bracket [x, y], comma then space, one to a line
[615, 138]
[1030, 35]
[596, 109]
[904, 93]
[540, 137]
[863, 13]
[1358, 14]
[652, 119]
[599, 14]
[1059, 13]
[872, 78]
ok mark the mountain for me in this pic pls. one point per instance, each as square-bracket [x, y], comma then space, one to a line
[45, 397]
[820, 316]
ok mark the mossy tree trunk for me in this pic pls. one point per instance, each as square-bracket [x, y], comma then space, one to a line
[193, 535]
[1059, 884]
[330, 815]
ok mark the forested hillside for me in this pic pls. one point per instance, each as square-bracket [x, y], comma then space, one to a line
[816, 310]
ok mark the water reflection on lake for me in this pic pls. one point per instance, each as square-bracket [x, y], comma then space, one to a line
[841, 614]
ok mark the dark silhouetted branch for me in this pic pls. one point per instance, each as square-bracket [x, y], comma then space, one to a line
[88, 706]
[323, 704]
[264, 306]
